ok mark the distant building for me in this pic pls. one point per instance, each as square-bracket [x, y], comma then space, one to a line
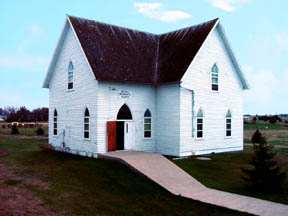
[283, 116]
[2, 118]
[248, 117]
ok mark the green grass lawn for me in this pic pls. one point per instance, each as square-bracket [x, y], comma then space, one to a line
[25, 131]
[85, 186]
[265, 126]
[223, 172]
[279, 142]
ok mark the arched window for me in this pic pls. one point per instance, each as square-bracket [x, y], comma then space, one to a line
[214, 78]
[228, 122]
[86, 124]
[55, 124]
[70, 75]
[147, 124]
[200, 123]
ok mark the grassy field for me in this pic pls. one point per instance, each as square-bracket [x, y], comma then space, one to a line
[275, 134]
[223, 172]
[265, 126]
[85, 186]
[26, 131]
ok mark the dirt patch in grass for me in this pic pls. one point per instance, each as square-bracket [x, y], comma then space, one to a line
[19, 201]
[15, 199]
[35, 182]
[3, 152]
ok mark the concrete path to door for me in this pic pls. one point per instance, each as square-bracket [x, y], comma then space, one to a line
[165, 173]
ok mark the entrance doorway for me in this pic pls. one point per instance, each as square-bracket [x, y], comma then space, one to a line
[120, 135]
[121, 132]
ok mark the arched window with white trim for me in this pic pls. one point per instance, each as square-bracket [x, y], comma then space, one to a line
[147, 124]
[55, 123]
[228, 123]
[214, 78]
[70, 75]
[86, 124]
[200, 124]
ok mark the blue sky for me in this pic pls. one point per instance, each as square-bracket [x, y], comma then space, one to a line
[257, 30]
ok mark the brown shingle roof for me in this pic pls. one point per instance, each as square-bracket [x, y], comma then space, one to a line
[124, 55]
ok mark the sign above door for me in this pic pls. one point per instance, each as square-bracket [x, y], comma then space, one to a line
[124, 94]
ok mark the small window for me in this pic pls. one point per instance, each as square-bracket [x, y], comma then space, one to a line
[214, 78]
[228, 122]
[86, 124]
[70, 75]
[200, 123]
[147, 124]
[55, 123]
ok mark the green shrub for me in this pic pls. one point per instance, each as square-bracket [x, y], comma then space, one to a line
[272, 121]
[39, 131]
[257, 136]
[14, 129]
[264, 174]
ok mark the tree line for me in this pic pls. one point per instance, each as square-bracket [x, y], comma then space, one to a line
[268, 118]
[22, 114]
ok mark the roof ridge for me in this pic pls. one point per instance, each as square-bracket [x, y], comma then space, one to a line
[158, 35]
[113, 25]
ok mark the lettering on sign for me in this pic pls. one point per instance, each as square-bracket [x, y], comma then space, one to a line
[125, 94]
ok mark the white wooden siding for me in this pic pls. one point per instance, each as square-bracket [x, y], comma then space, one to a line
[71, 105]
[168, 119]
[214, 104]
[109, 103]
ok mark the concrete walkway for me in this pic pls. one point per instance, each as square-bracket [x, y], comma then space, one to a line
[178, 182]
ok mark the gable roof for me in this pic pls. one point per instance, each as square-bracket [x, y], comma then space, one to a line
[177, 50]
[115, 53]
[125, 55]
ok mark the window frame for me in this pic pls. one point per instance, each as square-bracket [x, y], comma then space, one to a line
[214, 75]
[70, 74]
[86, 123]
[149, 123]
[55, 122]
[202, 124]
[228, 117]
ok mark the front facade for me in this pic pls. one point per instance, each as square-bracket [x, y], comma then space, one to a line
[178, 99]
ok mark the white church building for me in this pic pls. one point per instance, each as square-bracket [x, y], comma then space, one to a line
[113, 88]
